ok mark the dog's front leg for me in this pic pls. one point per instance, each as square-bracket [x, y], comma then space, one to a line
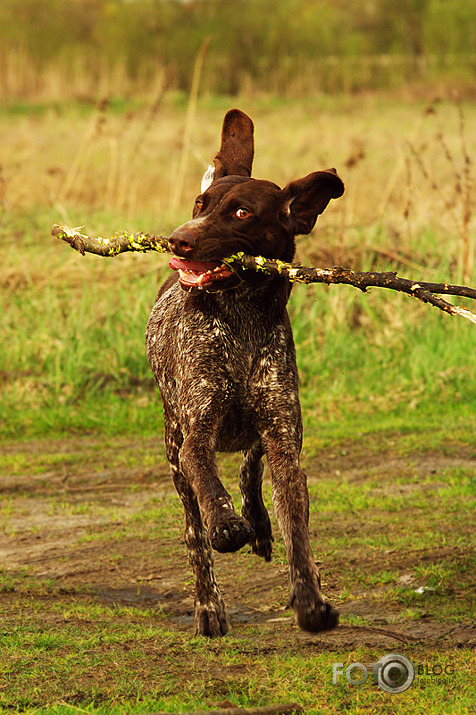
[227, 530]
[291, 504]
[210, 615]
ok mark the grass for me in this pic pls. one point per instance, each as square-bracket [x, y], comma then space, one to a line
[96, 658]
[394, 536]
[297, 51]
[96, 655]
[82, 366]
[388, 392]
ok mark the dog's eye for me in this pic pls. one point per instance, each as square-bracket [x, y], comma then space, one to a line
[198, 204]
[242, 213]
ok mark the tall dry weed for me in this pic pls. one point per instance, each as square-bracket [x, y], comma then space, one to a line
[452, 190]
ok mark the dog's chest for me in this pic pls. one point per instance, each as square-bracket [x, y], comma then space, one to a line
[188, 343]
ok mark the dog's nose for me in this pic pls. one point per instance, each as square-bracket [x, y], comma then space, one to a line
[182, 241]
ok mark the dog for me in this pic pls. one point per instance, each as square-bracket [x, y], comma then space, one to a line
[220, 345]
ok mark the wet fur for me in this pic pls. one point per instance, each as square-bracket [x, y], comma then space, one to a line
[225, 365]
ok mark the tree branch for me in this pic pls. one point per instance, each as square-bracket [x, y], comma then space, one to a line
[426, 292]
[110, 247]
[363, 280]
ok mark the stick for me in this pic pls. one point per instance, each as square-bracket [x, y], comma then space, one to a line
[109, 247]
[363, 280]
[426, 292]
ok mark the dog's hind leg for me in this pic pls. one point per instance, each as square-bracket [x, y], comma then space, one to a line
[210, 614]
[253, 509]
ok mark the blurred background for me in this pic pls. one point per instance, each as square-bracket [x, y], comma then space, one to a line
[111, 111]
[57, 49]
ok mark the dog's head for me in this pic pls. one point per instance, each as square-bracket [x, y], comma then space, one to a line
[237, 213]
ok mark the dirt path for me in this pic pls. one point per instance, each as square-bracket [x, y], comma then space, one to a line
[114, 534]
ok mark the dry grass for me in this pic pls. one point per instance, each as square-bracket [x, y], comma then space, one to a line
[407, 168]
[408, 206]
[388, 375]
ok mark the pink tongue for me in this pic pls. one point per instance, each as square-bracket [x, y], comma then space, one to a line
[197, 266]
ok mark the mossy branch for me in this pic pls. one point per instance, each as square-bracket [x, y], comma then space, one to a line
[110, 247]
[426, 292]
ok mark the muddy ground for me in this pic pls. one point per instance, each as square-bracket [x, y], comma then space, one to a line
[86, 526]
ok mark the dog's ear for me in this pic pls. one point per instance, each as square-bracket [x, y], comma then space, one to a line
[235, 157]
[305, 199]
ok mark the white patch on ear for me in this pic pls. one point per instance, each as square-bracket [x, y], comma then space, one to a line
[207, 178]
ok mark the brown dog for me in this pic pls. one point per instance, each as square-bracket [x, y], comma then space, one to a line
[221, 348]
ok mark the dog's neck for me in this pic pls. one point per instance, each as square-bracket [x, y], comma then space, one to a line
[266, 301]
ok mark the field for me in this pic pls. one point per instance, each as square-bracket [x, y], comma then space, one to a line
[95, 592]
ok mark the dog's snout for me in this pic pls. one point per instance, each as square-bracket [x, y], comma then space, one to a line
[182, 241]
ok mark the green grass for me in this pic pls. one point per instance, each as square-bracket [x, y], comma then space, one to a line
[95, 660]
[394, 536]
[388, 391]
[76, 361]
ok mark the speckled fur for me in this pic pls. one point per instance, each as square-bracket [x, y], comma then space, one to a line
[225, 365]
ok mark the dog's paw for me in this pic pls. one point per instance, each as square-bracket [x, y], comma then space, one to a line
[312, 613]
[210, 619]
[230, 534]
[321, 617]
[263, 546]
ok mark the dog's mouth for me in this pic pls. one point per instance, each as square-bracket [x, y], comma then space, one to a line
[199, 274]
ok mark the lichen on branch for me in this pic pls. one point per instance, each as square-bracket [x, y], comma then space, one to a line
[142, 242]
[109, 247]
